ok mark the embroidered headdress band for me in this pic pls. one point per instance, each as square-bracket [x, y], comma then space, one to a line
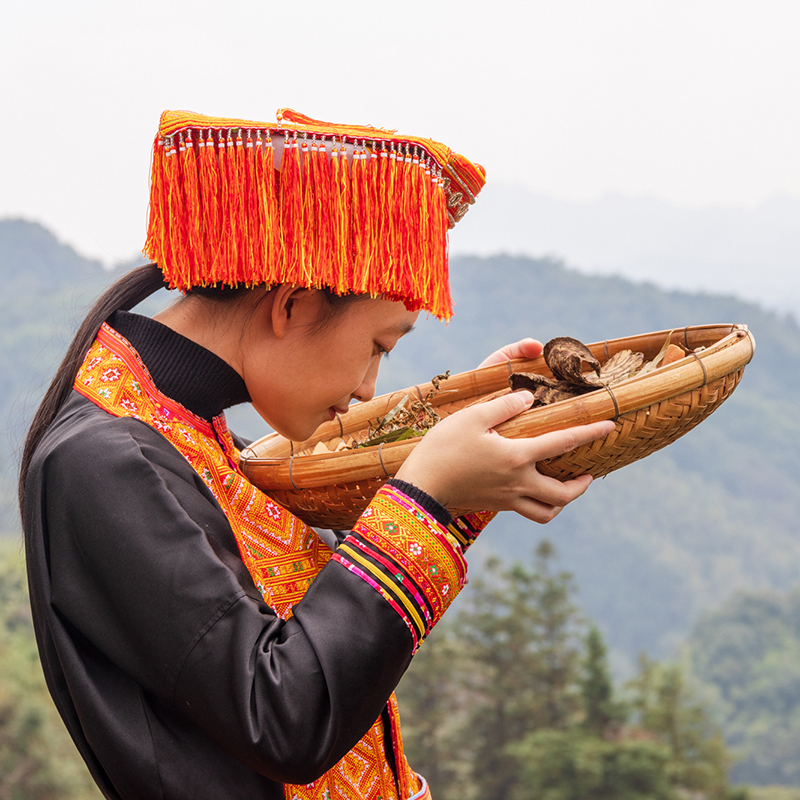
[316, 204]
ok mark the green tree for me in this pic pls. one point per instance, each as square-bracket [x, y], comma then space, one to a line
[576, 765]
[507, 665]
[667, 708]
[671, 751]
[602, 714]
[592, 759]
[520, 630]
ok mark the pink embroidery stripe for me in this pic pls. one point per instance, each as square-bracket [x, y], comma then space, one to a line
[392, 568]
[382, 592]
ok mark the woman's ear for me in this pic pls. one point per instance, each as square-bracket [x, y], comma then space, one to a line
[287, 307]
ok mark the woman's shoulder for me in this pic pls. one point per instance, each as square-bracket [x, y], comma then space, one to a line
[84, 437]
[93, 465]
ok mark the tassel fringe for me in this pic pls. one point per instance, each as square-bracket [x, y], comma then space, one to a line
[372, 222]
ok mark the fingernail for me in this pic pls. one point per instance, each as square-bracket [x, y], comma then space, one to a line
[527, 397]
[609, 427]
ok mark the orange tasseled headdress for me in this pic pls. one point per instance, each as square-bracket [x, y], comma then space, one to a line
[352, 208]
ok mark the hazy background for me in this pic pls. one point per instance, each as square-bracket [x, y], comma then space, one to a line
[656, 139]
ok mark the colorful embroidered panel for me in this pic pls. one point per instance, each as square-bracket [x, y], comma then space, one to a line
[364, 772]
[282, 553]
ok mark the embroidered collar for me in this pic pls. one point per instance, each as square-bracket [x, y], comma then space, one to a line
[181, 369]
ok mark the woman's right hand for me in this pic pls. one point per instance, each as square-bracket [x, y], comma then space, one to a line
[464, 463]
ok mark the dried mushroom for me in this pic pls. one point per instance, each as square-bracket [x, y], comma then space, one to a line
[545, 390]
[566, 357]
[577, 371]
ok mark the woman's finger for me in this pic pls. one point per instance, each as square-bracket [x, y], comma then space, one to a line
[552, 496]
[524, 348]
[554, 492]
[503, 408]
[536, 510]
[556, 443]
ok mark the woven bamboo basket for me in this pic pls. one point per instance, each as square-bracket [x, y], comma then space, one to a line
[331, 489]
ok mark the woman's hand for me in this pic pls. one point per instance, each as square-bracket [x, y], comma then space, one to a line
[524, 348]
[463, 463]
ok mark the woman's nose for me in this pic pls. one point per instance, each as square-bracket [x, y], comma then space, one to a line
[366, 391]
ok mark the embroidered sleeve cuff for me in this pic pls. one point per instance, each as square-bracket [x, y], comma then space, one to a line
[465, 529]
[407, 557]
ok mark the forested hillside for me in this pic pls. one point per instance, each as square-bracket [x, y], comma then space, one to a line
[748, 653]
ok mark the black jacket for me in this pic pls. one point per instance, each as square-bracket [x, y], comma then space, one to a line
[172, 675]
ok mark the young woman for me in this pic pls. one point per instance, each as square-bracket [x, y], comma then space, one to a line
[199, 640]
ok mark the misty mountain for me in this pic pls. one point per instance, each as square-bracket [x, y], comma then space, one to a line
[751, 253]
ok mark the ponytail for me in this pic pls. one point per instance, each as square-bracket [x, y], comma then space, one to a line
[127, 292]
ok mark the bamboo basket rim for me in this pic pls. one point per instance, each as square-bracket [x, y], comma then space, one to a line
[290, 467]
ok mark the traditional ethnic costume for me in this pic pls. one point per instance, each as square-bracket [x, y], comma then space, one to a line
[198, 639]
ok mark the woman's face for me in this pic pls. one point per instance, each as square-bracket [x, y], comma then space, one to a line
[312, 367]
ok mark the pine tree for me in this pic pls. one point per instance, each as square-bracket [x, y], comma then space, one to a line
[666, 708]
[601, 714]
[557, 640]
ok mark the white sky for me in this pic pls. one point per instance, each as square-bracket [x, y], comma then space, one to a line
[691, 101]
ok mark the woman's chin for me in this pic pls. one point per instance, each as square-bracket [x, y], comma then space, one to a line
[294, 431]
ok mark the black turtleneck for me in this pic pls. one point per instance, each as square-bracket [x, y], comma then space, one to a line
[185, 371]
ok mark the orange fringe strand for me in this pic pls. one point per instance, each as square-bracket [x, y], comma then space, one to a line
[210, 189]
[192, 222]
[292, 210]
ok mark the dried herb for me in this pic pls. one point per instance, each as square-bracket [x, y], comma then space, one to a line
[566, 357]
[407, 420]
[620, 367]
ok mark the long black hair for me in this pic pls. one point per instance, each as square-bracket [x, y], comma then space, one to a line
[127, 292]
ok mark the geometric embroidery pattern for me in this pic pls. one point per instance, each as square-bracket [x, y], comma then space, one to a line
[466, 528]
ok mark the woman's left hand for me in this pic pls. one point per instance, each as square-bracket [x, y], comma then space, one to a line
[524, 348]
